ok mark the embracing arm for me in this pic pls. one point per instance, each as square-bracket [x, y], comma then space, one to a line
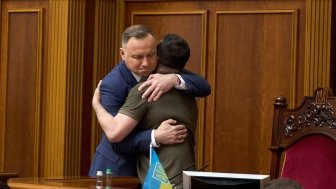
[112, 93]
[158, 84]
[197, 85]
[116, 128]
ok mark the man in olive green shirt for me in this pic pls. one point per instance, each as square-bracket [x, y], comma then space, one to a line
[173, 52]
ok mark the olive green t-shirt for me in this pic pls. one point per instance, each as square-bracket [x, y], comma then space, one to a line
[174, 104]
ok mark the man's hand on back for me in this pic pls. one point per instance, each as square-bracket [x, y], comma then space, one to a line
[158, 84]
[96, 97]
[170, 133]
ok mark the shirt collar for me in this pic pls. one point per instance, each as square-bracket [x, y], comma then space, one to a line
[137, 77]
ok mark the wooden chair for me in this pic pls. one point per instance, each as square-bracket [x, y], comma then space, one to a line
[304, 141]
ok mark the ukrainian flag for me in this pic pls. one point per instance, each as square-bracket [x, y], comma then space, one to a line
[156, 177]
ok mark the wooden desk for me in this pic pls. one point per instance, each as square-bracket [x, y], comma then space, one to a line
[70, 183]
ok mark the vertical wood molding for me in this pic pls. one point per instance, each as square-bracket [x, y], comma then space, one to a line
[317, 52]
[64, 88]
[38, 92]
[74, 87]
[201, 128]
[119, 27]
[56, 91]
[3, 79]
[105, 52]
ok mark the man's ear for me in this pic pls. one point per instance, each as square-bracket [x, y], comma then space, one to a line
[122, 53]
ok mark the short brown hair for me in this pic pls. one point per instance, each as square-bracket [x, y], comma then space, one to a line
[137, 31]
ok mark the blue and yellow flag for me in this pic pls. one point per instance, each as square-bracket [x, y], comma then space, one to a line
[156, 177]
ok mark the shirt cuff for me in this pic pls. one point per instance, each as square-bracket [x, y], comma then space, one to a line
[182, 85]
[153, 139]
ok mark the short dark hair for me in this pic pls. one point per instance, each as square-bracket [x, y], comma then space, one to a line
[3, 185]
[137, 31]
[284, 183]
[173, 51]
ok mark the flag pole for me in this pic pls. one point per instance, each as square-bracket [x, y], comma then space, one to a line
[150, 154]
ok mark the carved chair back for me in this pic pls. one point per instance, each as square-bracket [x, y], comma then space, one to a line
[304, 140]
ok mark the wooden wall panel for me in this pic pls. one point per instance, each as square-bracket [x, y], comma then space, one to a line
[250, 71]
[21, 84]
[52, 122]
[318, 45]
[105, 30]
[75, 67]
